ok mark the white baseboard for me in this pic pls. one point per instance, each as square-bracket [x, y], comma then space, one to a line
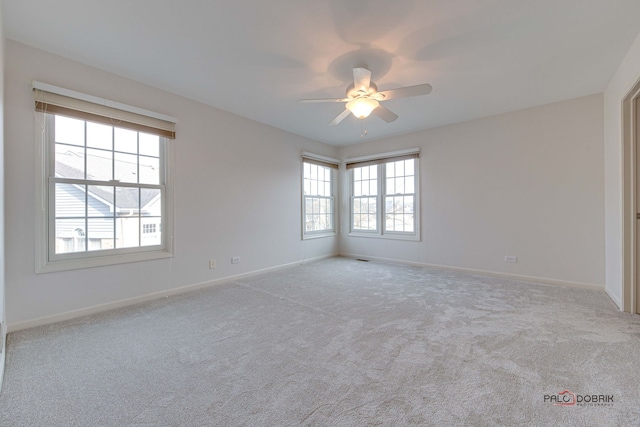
[614, 298]
[47, 320]
[541, 280]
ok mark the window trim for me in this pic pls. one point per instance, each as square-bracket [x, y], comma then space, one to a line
[333, 165]
[46, 263]
[381, 160]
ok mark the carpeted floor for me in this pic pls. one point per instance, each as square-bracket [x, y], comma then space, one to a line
[337, 342]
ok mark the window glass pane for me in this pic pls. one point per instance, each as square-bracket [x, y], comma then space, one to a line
[151, 232]
[314, 188]
[150, 201]
[127, 232]
[149, 170]
[307, 170]
[373, 172]
[399, 186]
[390, 169]
[99, 165]
[409, 166]
[100, 233]
[365, 172]
[409, 185]
[99, 136]
[327, 189]
[127, 201]
[149, 145]
[373, 187]
[399, 168]
[391, 188]
[307, 186]
[126, 167]
[308, 205]
[357, 174]
[69, 131]
[357, 188]
[70, 201]
[100, 201]
[70, 235]
[69, 161]
[125, 140]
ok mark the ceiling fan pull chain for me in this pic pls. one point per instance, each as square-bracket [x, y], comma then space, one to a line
[363, 128]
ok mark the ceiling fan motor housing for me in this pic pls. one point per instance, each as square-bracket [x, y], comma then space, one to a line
[352, 92]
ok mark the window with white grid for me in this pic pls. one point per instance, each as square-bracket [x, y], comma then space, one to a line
[104, 184]
[318, 203]
[384, 197]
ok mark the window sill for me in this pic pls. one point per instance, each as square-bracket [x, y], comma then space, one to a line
[318, 235]
[388, 236]
[76, 264]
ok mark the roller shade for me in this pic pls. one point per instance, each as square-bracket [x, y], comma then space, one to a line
[382, 158]
[56, 101]
[320, 161]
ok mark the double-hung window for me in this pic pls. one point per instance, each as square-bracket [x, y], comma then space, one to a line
[384, 195]
[104, 183]
[318, 201]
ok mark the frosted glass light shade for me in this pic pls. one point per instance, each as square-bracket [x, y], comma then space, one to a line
[362, 107]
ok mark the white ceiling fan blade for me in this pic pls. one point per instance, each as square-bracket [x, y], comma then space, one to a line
[340, 117]
[404, 92]
[308, 101]
[385, 114]
[361, 79]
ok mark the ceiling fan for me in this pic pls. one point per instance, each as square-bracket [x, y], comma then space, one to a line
[364, 99]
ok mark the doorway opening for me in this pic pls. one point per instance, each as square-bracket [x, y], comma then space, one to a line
[631, 200]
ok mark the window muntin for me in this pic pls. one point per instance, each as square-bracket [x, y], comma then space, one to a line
[318, 201]
[106, 184]
[384, 198]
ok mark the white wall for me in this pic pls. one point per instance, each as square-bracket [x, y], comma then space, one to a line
[624, 79]
[528, 183]
[237, 193]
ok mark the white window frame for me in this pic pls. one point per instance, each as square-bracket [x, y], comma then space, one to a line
[380, 232]
[46, 259]
[318, 159]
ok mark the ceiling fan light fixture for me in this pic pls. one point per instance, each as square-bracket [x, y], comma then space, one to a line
[362, 107]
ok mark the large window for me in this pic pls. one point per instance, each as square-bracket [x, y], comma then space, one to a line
[105, 187]
[318, 204]
[384, 197]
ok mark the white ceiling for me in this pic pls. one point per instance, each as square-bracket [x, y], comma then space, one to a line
[256, 58]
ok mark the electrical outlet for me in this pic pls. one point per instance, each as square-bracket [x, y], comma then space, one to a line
[510, 258]
[212, 264]
[235, 260]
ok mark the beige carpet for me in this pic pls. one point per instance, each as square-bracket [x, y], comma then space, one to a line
[337, 342]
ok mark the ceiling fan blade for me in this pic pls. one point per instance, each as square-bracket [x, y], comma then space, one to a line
[340, 117]
[308, 101]
[361, 79]
[385, 114]
[404, 92]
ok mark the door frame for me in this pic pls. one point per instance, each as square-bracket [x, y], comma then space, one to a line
[631, 201]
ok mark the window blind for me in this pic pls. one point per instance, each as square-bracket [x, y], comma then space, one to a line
[86, 107]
